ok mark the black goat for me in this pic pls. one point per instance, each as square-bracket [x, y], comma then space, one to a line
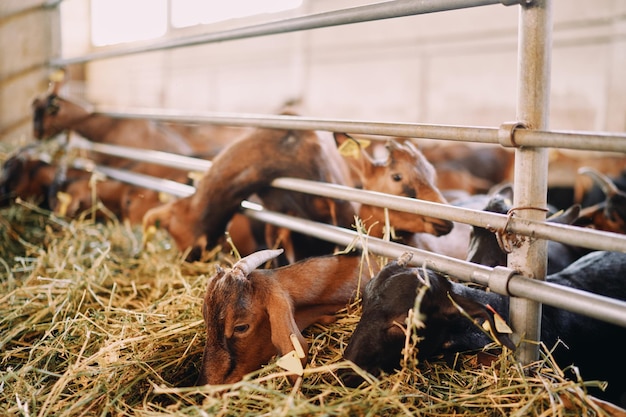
[592, 345]
[484, 247]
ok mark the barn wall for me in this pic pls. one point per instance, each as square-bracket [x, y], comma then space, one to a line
[457, 67]
[29, 36]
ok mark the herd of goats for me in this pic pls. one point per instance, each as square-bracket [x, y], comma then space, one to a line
[253, 313]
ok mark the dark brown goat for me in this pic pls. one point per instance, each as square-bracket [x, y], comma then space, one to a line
[591, 345]
[253, 314]
[609, 215]
[25, 176]
[69, 191]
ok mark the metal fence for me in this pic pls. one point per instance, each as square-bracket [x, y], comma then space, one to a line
[528, 135]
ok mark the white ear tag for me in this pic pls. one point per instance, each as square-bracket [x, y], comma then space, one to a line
[290, 362]
[501, 326]
[297, 346]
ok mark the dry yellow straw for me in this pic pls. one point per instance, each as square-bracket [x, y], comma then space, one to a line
[91, 324]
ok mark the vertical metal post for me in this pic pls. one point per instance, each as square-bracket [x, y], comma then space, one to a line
[531, 164]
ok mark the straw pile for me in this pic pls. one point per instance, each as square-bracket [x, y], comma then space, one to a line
[92, 323]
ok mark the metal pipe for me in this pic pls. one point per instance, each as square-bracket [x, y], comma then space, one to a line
[142, 180]
[531, 164]
[371, 12]
[611, 310]
[146, 155]
[596, 141]
[599, 141]
[588, 238]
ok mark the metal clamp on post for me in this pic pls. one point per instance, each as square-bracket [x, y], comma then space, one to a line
[506, 133]
[499, 279]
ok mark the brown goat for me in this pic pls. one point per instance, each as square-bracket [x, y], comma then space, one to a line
[25, 176]
[251, 314]
[246, 167]
[53, 114]
[472, 168]
[404, 172]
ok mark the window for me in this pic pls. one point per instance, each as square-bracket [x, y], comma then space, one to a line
[117, 21]
[193, 12]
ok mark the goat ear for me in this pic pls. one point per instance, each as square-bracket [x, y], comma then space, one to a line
[604, 182]
[399, 150]
[504, 190]
[283, 324]
[568, 216]
[477, 310]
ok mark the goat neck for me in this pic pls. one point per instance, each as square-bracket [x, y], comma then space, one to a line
[246, 167]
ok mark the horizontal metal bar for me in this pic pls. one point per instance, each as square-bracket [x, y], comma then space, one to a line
[371, 12]
[588, 304]
[146, 155]
[579, 140]
[596, 141]
[146, 181]
[588, 238]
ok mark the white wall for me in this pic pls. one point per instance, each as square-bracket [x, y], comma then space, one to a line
[454, 68]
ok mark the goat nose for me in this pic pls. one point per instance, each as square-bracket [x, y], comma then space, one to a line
[442, 227]
[350, 378]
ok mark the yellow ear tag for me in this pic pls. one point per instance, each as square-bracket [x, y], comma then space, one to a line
[352, 148]
[57, 76]
[297, 346]
[64, 202]
[195, 177]
[164, 197]
[290, 362]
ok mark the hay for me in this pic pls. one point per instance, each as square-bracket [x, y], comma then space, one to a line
[92, 324]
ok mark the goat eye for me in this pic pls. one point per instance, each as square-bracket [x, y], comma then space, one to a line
[241, 328]
[396, 177]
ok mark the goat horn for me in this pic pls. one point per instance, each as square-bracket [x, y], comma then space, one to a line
[608, 188]
[256, 259]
